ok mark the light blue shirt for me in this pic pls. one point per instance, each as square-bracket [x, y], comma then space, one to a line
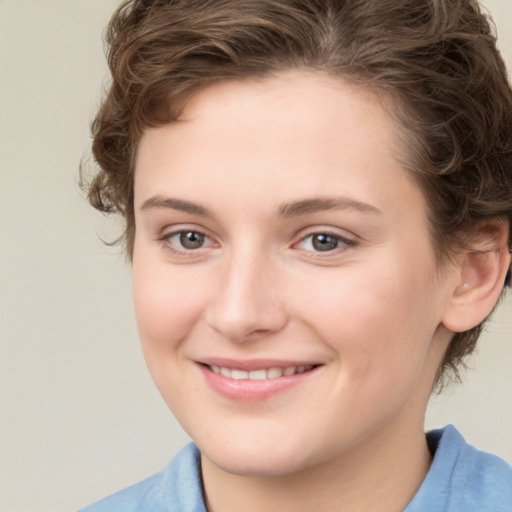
[461, 479]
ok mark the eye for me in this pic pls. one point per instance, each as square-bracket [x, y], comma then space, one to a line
[323, 242]
[190, 239]
[186, 240]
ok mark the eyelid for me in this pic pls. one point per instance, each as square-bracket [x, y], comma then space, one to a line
[346, 241]
[170, 231]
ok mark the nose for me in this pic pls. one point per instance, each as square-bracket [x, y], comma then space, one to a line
[247, 303]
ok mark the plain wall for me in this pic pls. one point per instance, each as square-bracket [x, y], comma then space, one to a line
[80, 417]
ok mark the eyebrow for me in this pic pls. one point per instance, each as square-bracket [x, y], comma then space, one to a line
[175, 204]
[292, 209]
[319, 204]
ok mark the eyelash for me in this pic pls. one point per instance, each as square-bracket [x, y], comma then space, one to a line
[166, 241]
[342, 242]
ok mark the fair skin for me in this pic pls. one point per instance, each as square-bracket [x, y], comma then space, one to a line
[277, 233]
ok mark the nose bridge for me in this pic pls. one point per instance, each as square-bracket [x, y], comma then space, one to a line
[246, 301]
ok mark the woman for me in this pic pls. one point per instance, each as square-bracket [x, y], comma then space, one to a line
[318, 206]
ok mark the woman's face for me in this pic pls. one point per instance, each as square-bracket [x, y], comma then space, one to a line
[286, 291]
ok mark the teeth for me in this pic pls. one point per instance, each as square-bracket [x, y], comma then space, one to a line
[239, 374]
[274, 373]
[271, 373]
[258, 375]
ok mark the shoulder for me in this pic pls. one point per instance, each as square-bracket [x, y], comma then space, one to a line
[485, 478]
[462, 478]
[176, 488]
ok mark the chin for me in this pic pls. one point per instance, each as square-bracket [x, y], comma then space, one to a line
[261, 466]
[255, 457]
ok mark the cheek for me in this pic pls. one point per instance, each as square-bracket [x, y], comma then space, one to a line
[380, 321]
[381, 338]
[167, 304]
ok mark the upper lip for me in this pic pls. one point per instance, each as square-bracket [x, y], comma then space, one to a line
[256, 364]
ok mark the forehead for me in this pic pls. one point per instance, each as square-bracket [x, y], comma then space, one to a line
[294, 104]
[274, 139]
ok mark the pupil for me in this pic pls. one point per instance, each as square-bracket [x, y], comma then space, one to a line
[324, 242]
[191, 240]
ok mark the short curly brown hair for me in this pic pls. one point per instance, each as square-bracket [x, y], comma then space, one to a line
[436, 60]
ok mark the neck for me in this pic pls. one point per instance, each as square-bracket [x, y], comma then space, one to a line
[383, 475]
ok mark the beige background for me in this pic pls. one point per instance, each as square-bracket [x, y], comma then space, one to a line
[79, 415]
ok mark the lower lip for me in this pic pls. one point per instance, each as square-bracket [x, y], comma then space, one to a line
[248, 390]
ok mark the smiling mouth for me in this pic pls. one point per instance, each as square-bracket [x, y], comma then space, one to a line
[260, 374]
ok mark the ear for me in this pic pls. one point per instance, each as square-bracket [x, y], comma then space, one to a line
[480, 276]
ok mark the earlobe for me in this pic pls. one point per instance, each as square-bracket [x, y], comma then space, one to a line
[480, 277]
